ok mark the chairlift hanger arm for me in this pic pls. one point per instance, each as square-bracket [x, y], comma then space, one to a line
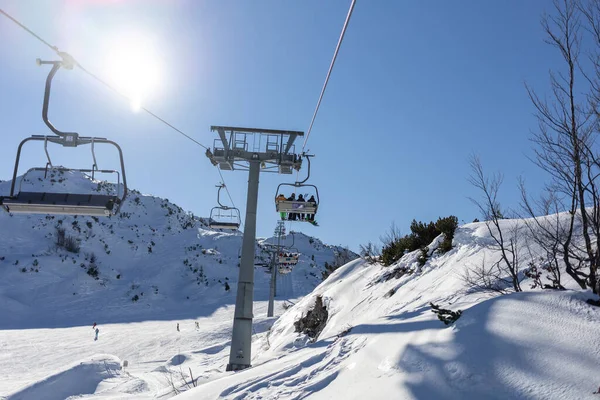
[55, 67]
[307, 156]
[221, 186]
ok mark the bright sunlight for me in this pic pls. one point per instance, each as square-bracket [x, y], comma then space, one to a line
[133, 67]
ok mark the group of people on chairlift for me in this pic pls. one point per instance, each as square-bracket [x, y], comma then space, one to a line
[289, 255]
[297, 216]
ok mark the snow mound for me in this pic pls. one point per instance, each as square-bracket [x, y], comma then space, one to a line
[177, 359]
[92, 376]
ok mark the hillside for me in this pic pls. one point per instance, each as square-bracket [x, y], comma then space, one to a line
[152, 261]
[382, 341]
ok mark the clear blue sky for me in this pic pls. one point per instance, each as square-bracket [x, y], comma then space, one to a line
[418, 86]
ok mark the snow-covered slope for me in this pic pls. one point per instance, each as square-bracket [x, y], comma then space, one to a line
[154, 261]
[156, 266]
[382, 341]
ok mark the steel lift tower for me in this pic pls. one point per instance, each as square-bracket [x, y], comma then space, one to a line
[250, 149]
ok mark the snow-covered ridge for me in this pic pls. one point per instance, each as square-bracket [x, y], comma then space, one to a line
[153, 261]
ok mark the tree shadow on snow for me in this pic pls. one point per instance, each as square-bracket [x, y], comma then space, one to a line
[497, 355]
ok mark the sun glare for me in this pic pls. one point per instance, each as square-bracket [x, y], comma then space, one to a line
[133, 68]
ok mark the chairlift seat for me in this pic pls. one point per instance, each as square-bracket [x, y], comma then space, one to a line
[283, 270]
[290, 206]
[223, 225]
[61, 203]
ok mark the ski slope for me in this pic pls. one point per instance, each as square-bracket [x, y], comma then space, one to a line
[381, 339]
[157, 266]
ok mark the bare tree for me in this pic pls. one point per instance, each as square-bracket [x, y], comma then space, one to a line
[370, 252]
[505, 243]
[548, 232]
[391, 236]
[486, 278]
[568, 123]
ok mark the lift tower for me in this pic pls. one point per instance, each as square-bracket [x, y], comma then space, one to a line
[250, 149]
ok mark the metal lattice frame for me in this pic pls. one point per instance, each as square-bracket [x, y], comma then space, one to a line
[273, 149]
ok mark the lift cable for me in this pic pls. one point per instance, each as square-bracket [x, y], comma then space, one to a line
[337, 49]
[106, 84]
[97, 78]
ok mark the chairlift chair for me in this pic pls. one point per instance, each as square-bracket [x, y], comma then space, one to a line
[64, 203]
[287, 261]
[289, 256]
[224, 217]
[284, 269]
[286, 257]
[294, 206]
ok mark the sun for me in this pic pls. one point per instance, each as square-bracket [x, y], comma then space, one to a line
[133, 68]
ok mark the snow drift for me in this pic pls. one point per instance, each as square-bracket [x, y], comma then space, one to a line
[92, 376]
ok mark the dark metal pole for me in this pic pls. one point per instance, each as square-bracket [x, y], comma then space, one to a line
[271, 308]
[241, 340]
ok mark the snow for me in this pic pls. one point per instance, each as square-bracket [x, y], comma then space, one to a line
[92, 376]
[175, 265]
[381, 339]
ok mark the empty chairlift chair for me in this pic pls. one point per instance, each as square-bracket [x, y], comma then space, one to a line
[224, 217]
[92, 204]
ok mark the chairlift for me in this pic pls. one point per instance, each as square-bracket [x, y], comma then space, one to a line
[224, 217]
[64, 203]
[288, 257]
[295, 206]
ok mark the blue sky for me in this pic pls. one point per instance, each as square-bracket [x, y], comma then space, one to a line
[418, 86]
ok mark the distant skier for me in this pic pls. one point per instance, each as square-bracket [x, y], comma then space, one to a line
[97, 331]
[178, 327]
[197, 325]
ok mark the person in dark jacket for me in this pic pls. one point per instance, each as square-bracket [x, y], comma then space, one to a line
[311, 217]
[301, 199]
[292, 216]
